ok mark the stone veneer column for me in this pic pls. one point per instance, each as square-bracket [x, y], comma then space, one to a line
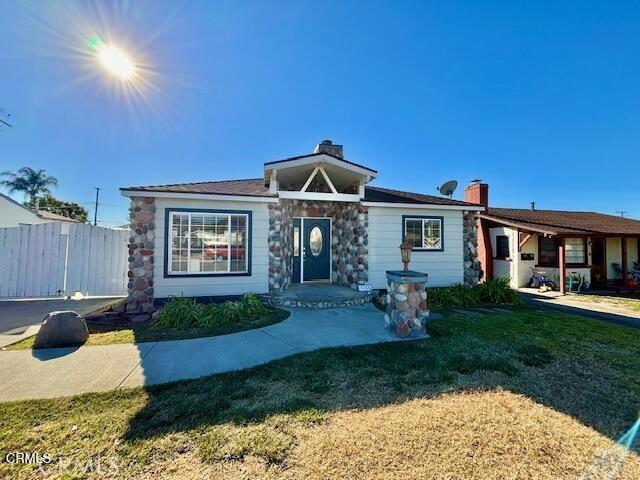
[278, 272]
[472, 266]
[349, 249]
[141, 249]
[407, 309]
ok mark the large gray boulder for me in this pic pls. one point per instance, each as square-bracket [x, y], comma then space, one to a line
[62, 329]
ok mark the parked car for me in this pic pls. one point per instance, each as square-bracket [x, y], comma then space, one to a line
[221, 252]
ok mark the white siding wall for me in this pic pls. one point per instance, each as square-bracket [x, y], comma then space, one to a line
[519, 270]
[614, 255]
[385, 236]
[258, 282]
[632, 252]
[12, 215]
[507, 268]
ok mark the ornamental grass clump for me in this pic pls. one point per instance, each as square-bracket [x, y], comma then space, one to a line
[492, 292]
[183, 313]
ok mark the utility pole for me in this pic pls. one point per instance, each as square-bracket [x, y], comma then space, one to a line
[621, 212]
[95, 212]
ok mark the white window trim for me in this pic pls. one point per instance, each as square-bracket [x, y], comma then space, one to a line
[170, 270]
[422, 220]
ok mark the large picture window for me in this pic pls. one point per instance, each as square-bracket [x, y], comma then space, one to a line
[575, 251]
[208, 243]
[424, 233]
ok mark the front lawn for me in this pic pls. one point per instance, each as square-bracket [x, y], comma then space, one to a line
[521, 395]
[107, 334]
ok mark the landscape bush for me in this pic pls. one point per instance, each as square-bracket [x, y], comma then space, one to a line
[183, 312]
[492, 292]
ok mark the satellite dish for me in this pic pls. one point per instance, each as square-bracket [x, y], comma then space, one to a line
[447, 188]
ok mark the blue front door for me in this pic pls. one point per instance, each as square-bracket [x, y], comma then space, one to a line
[316, 243]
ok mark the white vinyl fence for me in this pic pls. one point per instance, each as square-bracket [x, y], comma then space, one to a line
[45, 260]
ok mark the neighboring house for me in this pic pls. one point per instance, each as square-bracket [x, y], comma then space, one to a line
[602, 248]
[307, 219]
[13, 214]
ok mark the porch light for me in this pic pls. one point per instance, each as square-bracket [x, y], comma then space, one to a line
[405, 250]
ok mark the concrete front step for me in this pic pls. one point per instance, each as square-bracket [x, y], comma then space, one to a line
[318, 296]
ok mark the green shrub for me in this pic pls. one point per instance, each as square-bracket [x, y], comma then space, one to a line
[180, 313]
[495, 291]
[183, 312]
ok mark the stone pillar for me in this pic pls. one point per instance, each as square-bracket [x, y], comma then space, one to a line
[141, 249]
[278, 271]
[407, 309]
[349, 251]
[470, 248]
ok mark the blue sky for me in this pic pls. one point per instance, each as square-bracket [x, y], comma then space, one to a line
[539, 99]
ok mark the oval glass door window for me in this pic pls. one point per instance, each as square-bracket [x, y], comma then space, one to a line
[315, 241]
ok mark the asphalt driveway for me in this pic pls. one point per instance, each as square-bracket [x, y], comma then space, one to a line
[21, 318]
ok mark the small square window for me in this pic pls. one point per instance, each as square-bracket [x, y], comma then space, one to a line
[502, 246]
[424, 233]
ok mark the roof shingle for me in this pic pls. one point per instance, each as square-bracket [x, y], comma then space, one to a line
[560, 222]
[255, 187]
[249, 187]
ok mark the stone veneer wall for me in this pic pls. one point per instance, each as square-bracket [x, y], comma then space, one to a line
[349, 240]
[407, 310]
[141, 248]
[472, 266]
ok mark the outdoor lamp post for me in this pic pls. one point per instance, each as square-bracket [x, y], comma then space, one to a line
[405, 250]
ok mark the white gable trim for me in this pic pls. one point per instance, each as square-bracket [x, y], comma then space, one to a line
[430, 206]
[326, 178]
[328, 197]
[321, 158]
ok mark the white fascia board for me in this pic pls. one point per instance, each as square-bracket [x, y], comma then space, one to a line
[428, 206]
[329, 197]
[198, 196]
[315, 158]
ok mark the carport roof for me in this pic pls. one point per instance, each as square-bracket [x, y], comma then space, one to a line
[559, 222]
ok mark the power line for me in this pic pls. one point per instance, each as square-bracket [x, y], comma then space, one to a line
[621, 212]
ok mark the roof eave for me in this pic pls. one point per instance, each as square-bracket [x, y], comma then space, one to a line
[128, 192]
[522, 225]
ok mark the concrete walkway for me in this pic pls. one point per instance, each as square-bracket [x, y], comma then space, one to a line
[60, 372]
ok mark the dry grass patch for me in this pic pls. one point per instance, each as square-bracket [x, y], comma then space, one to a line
[488, 435]
[629, 303]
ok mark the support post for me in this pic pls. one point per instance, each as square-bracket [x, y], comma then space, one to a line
[562, 264]
[623, 242]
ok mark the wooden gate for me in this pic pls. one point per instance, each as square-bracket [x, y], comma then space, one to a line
[45, 260]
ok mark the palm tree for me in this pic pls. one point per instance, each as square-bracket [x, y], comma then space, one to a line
[32, 182]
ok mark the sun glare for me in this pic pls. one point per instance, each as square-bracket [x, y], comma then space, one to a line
[117, 62]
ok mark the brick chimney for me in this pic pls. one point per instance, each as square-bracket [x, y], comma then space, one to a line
[478, 192]
[327, 146]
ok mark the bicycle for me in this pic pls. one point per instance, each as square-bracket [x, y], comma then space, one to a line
[539, 281]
